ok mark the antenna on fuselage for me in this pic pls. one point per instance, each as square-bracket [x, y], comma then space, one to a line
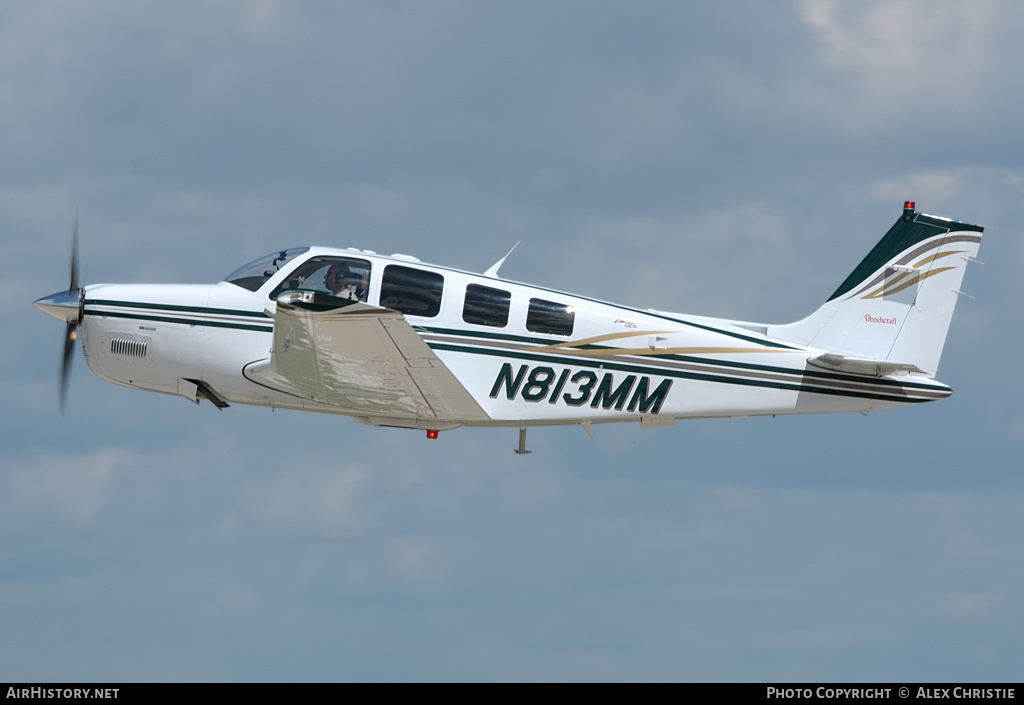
[521, 450]
[493, 271]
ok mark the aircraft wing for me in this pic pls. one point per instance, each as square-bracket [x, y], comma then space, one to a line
[360, 358]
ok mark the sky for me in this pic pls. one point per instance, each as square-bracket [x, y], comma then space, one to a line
[726, 159]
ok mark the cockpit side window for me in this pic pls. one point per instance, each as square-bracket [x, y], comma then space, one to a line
[255, 274]
[344, 277]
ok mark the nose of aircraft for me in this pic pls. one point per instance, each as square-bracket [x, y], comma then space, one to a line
[64, 305]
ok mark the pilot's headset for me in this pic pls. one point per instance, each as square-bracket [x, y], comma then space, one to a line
[342, 271]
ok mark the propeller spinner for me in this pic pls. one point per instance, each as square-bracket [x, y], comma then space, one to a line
[67, 306]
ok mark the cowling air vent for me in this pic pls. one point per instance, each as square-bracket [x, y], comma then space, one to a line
[129, 348]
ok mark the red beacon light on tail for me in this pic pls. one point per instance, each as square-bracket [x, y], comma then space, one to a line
[909, 205]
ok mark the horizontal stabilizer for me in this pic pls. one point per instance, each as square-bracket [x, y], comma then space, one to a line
[861, 366]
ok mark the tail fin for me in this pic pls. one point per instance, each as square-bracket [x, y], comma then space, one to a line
[894, 310]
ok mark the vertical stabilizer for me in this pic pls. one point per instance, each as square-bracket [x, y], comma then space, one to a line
[897, 304]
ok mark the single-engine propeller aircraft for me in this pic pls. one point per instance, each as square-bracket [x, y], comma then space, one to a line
[391, 341]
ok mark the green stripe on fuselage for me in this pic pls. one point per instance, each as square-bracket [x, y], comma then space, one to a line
[675, 357]
[178, 308]
[213, 323]
[680, 374]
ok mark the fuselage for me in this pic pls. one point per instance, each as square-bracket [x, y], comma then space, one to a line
[527, 355]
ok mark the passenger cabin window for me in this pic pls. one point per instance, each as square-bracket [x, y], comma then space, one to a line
[550, 317]
[344, 277]
[411, 291]
[485, 306]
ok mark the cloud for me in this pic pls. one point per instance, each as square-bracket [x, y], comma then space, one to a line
[968, 604]
[313, 494]
[931, 186]
[261, 15]
[718, 261]
[1015, 433]
[897, 53]
[74, 487]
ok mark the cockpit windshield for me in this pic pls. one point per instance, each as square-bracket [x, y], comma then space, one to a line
[253, 275]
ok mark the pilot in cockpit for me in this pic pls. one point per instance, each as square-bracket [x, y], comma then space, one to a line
[342, 284]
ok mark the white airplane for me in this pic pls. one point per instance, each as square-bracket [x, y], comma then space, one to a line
[391, 341]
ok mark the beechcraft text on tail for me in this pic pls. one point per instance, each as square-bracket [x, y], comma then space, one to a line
[392, 341]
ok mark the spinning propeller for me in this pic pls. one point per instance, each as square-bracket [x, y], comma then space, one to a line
[67, 306]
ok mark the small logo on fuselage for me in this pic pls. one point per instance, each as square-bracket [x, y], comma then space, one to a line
[878, 319]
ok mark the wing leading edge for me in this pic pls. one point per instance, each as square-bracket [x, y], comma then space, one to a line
[366, 361]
